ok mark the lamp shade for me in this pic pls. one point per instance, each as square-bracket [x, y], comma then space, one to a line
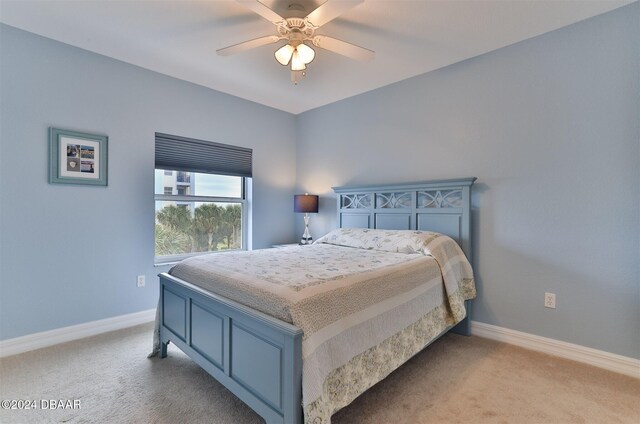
[305, 203]
[296, 62]
[284, 53]
[305, 53]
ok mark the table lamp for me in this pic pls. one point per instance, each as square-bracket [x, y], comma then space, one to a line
[305, 203]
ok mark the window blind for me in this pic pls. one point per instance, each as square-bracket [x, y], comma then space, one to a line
[188, 154]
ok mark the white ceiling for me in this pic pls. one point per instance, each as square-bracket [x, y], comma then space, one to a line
[179, 38]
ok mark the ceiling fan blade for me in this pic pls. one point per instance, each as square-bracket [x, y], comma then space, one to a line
[330, 10]
[342, 47]
[246, 45]
[262, 10]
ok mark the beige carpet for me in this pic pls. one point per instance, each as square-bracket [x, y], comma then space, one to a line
[456, 380]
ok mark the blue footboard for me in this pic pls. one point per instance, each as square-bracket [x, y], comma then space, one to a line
[257, 357]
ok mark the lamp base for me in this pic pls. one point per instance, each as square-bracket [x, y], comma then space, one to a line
[306, 237]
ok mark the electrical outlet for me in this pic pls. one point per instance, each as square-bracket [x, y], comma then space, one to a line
[550, 300]
[140, 280]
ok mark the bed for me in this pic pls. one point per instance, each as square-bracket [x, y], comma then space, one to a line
[338, 312]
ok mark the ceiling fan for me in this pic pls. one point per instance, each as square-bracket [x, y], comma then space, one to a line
[297, 31]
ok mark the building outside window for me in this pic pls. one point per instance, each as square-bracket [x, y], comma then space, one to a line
[183, 177]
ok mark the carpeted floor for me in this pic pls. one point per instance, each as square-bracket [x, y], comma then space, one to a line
[456, 380]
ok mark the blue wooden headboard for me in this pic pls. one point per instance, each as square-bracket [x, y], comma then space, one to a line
[443, 206]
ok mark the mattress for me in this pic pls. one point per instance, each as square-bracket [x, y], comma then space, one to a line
[365, 303]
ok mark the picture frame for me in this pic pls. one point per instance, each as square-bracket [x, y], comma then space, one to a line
[77, 157]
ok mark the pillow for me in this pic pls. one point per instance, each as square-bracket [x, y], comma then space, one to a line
[399, 241]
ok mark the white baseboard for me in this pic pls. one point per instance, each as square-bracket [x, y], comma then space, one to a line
[74, 332]
[609, 361]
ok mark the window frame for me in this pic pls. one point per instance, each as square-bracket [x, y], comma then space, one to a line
[244, 220]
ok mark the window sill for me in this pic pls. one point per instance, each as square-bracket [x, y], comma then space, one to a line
[175, 259]
[160, 264]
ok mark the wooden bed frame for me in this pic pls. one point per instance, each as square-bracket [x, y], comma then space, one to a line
[258, 357]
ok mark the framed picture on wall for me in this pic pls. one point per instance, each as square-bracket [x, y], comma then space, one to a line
[77, 158]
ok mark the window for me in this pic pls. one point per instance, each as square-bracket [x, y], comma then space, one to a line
[208, 220]
[208, 211]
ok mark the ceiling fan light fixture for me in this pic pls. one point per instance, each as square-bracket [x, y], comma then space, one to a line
[305, 53]
[296, 62]
[283, 54]
[297, 30]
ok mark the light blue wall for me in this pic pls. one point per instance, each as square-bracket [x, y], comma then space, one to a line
[70, 254]
[550, 128]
